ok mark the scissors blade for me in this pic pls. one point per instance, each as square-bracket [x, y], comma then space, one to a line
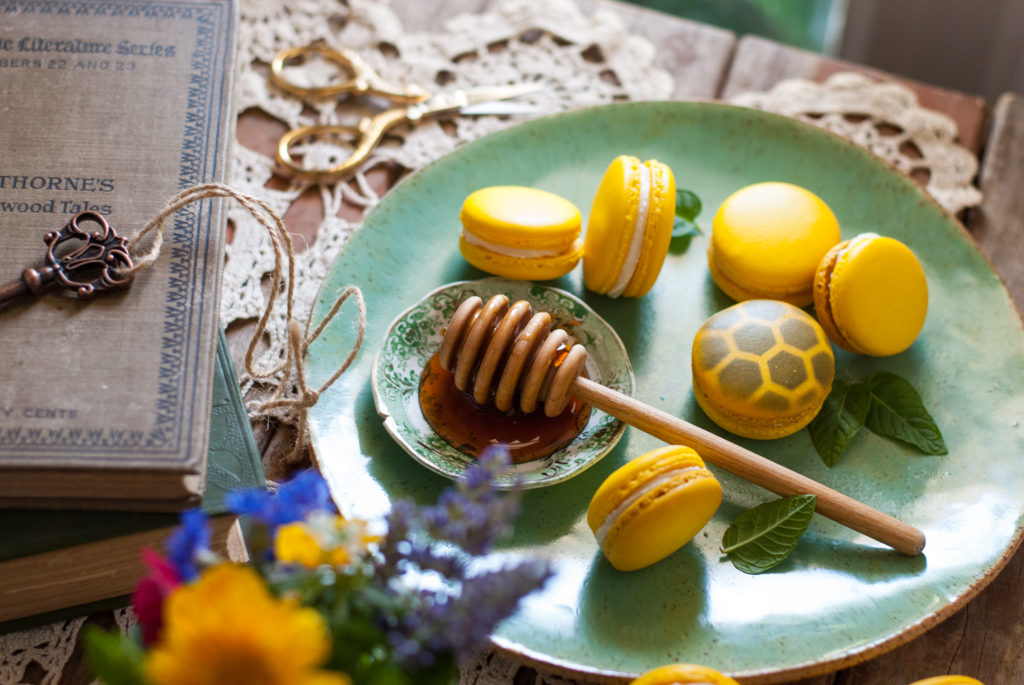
[456, 100]
[501, 107]
[496, 93]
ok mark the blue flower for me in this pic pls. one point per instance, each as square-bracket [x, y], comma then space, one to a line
[293, 501]
[187, 542]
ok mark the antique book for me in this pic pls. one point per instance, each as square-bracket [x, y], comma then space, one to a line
[111, 107]
[55, 560]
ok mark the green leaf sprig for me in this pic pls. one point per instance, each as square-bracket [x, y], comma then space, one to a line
[763, 537]
[688, 207]
[885, 404]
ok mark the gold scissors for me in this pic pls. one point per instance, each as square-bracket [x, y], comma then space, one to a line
[412, 105]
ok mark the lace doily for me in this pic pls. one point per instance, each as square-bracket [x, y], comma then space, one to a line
[885, 118]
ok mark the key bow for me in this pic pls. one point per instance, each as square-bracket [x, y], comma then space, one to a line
[91, 267]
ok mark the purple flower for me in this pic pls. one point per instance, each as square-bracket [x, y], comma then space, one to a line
[474, 515]
[293, 501]
[458, 617]
[461, 622]
[186, 543]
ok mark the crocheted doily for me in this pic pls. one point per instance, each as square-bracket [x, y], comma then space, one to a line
[884, 117]
[582, 61]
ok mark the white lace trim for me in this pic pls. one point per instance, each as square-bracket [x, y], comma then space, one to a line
[884, 117]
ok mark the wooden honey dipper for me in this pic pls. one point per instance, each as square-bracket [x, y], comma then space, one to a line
[501, 352]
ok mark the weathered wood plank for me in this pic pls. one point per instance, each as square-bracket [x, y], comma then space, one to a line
[759, 64]
[696, 55]
[998, 224]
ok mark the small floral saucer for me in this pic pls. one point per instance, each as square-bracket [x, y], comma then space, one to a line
[415, 336]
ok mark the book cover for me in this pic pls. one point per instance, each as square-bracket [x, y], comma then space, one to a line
[53, 560]
[111, 107]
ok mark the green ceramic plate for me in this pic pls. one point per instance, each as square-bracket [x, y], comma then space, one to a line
[415, 336]
[840, 597]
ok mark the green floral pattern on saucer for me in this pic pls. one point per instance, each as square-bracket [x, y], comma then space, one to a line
[416, 335]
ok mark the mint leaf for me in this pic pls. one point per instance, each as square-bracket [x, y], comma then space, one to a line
[763, 537]
[897, 411]
[840, 418]
[683, 227]
[688, 206]
[115, 660]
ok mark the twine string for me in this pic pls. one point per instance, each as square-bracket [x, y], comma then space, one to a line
[292, 393]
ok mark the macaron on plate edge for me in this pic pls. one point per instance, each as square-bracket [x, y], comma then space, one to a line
[415, 335]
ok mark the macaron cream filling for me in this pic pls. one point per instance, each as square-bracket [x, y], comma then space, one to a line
[636, 242]
[828, 316]
[509, 251]
[638, 493]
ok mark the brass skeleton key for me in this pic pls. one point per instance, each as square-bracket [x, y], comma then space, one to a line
[97, 264]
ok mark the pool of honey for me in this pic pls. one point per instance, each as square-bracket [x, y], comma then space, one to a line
[471, 427]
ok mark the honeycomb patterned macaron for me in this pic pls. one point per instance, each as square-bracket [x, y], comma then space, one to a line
[762, 368]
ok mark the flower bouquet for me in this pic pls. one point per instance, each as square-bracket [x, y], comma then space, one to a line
[327, 600]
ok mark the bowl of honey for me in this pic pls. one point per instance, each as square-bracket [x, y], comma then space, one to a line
[445, 429]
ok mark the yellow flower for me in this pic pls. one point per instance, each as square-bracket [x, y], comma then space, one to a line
[228, 628]
[294, 544]
[322, 539]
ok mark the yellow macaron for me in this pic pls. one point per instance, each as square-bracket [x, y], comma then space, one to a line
[767, 240]
[948, 680]
[629, 227]
[519, 232]
[762, 368]
[653, 505]
[871, 295]
[684, 674]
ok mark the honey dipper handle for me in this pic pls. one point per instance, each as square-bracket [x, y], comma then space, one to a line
[752, 467]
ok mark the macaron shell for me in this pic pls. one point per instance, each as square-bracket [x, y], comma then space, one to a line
[520, 218]
[741, 294]
[657, 232]
[522, 268]
[759, 428]
[662, 520]
[877, 296]
[768, 239]
[761, 368]
[683, 674]
[625, 479]
[610, 223]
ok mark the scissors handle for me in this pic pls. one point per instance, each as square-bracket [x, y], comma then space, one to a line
[362, 79]
[366, 136]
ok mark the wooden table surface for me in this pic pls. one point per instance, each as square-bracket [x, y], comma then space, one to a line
[984, 638]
